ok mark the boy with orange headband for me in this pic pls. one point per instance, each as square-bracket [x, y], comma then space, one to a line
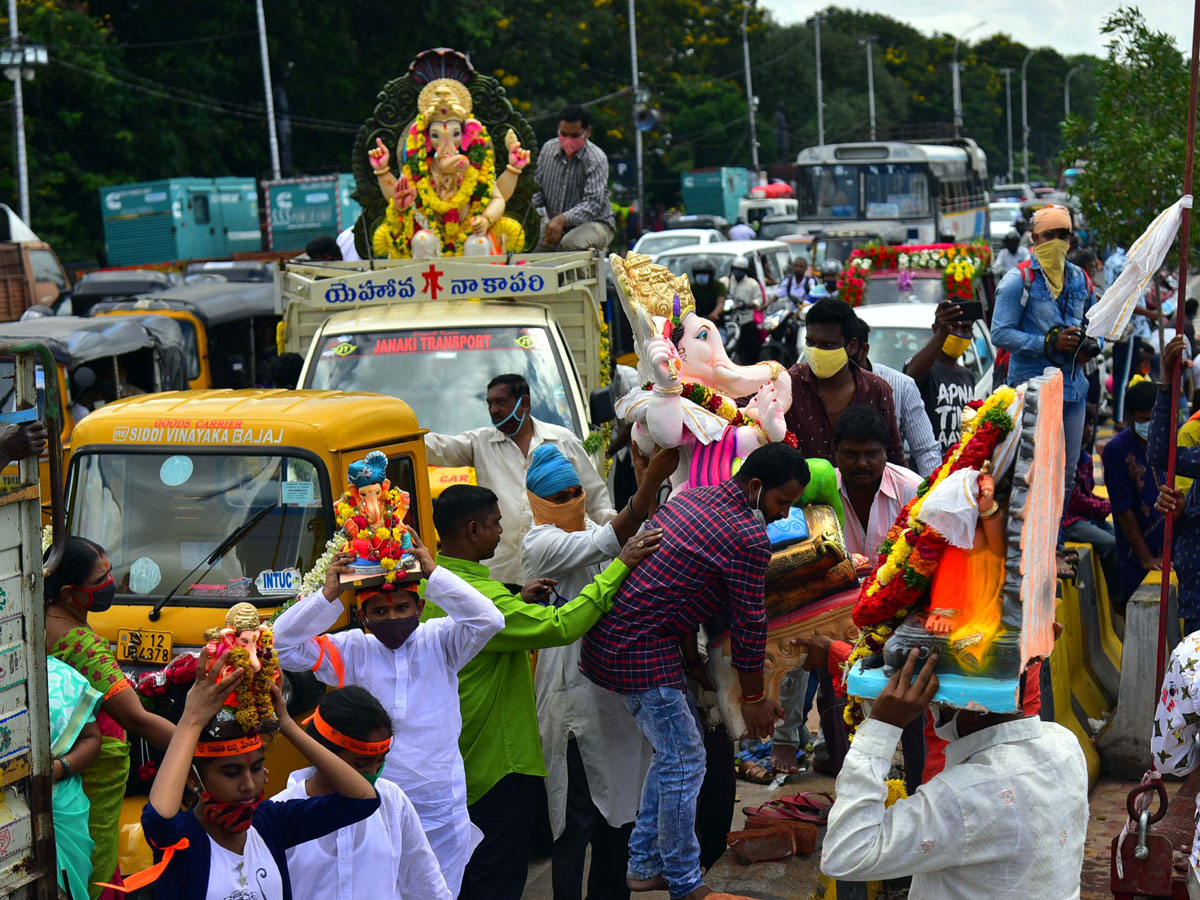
[384, 857]
[414, 668]
[232, 843]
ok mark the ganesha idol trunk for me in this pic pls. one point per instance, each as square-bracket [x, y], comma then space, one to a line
[811, 587]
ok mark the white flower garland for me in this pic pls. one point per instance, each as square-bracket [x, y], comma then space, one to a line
[315, 578]
[47, 538]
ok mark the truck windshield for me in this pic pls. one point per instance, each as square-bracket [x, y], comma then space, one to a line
[160, 514]
[443, 373]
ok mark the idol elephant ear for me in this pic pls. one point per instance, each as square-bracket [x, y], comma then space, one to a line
[471, 129]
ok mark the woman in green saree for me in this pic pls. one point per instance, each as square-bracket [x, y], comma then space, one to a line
[83, 583]
[74, 745]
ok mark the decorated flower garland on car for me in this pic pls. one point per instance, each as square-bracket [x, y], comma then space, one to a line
[960, 264]
[910, 555]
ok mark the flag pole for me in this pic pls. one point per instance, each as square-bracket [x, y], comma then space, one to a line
[1181, 298]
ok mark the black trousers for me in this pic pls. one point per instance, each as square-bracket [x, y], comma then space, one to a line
[500, 863]
[585, 825]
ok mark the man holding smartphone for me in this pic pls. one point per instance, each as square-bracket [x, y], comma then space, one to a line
[946, 387]
[1041, 307]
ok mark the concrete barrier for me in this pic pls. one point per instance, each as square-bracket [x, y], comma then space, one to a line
[1103, 657]
[1090, 700]
[1125, 744]
[1066, 673]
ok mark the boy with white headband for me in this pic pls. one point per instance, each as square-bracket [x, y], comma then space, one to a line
[414, 668]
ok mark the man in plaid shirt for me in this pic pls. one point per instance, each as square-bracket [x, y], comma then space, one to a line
[712, 559]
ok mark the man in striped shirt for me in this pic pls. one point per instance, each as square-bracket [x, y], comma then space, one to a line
[572, 177]
[712, 561]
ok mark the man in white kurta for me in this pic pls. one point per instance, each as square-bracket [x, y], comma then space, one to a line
[596, 757]
[1005, 820]
[384, 857]
[417, 683]
[500, 454]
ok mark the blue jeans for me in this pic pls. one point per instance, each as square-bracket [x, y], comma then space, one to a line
[1073, 415]
[664, 833]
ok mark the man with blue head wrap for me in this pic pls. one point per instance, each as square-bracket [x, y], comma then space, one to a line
[595, 754]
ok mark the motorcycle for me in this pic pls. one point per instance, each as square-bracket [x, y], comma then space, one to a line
[743, 326]
[782, 324]
[732, 331]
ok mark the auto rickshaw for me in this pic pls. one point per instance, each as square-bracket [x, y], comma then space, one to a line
[229, 329]
[203, 499]
[115, 284]
[98, 361]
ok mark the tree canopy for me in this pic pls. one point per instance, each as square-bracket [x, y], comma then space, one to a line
[135, 91]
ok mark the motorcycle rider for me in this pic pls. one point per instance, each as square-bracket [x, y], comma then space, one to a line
[831, 271]
[799, 284]
[708, 290]
[746, 296]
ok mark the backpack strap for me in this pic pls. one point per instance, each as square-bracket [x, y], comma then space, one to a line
[1026, 270]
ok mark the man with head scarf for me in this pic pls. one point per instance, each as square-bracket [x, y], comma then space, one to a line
[1040, 315]
[595, 755]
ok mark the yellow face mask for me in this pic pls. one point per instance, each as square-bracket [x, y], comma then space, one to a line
[827, 363]
[1052, 257]
[955, 346]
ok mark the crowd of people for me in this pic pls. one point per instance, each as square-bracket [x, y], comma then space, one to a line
[427, 750]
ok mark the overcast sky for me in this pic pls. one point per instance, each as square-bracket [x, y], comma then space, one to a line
[1068, 25]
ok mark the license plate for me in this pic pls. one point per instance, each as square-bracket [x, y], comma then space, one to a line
[144, 646]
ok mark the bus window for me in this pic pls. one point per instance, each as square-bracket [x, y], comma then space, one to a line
[826, 192]
[896, 191]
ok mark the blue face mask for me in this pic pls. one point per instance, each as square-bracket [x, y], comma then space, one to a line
[512, 416]
[1142, 429]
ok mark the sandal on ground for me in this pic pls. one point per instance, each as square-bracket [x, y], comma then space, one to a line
[751, 771]
[802, 807]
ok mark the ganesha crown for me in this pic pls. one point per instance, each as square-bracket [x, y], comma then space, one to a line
[443, 99]
[652, 287]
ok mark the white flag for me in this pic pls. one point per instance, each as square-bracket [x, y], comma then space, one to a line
[1108, 318]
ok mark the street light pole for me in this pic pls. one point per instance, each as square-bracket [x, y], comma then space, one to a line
[1025, 119]
[958, 112]
[869, 40]
[1067, 90]
[269, 96]
[820, 100]
[637, 132]
[19, 120]
[751, 101]
[1008, 107]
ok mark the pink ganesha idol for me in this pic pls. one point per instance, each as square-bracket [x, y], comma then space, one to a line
[246, 643]
[372, 515]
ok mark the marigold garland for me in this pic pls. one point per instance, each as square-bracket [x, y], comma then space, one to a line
[722, 405]
[909, 556]
[254, 703]
[389, 534]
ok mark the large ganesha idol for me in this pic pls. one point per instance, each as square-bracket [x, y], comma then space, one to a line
[690, 384]
[448, 200]
[968, 569]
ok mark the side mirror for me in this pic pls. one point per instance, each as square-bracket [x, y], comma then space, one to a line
[602, 406]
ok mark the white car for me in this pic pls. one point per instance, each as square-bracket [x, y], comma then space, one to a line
[1002, 214]
[654, 242]
[771, 260]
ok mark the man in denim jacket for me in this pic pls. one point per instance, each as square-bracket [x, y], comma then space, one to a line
[1040, 321]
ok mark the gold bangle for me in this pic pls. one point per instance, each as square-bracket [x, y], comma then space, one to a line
[384, 171]
[511, 168]
[668, 391]
[994, 511]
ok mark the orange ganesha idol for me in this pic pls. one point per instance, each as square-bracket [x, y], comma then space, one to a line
[246, 643]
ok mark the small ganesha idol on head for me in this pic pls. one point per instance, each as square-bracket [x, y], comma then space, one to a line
[246, 643]
[371, 513]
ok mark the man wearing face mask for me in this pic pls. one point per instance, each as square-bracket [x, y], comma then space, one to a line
[1011, 255]
[713, 559]
[1133, 484]
[572, 177]
[415, 669]
[747, 295]
[946, 387]
[500, 454]
[500, 743]
[1005, 818]
[1039, 319]
[826, 382]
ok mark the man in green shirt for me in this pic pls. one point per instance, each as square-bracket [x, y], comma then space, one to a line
[500, 745]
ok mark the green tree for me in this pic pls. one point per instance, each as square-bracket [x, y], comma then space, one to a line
[1132, 151]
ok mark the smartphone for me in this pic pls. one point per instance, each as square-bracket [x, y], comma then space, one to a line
[971, 309]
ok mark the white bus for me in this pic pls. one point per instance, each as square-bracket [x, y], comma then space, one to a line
[933, 191]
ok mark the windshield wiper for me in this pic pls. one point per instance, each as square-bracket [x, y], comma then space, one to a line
[220, 550]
